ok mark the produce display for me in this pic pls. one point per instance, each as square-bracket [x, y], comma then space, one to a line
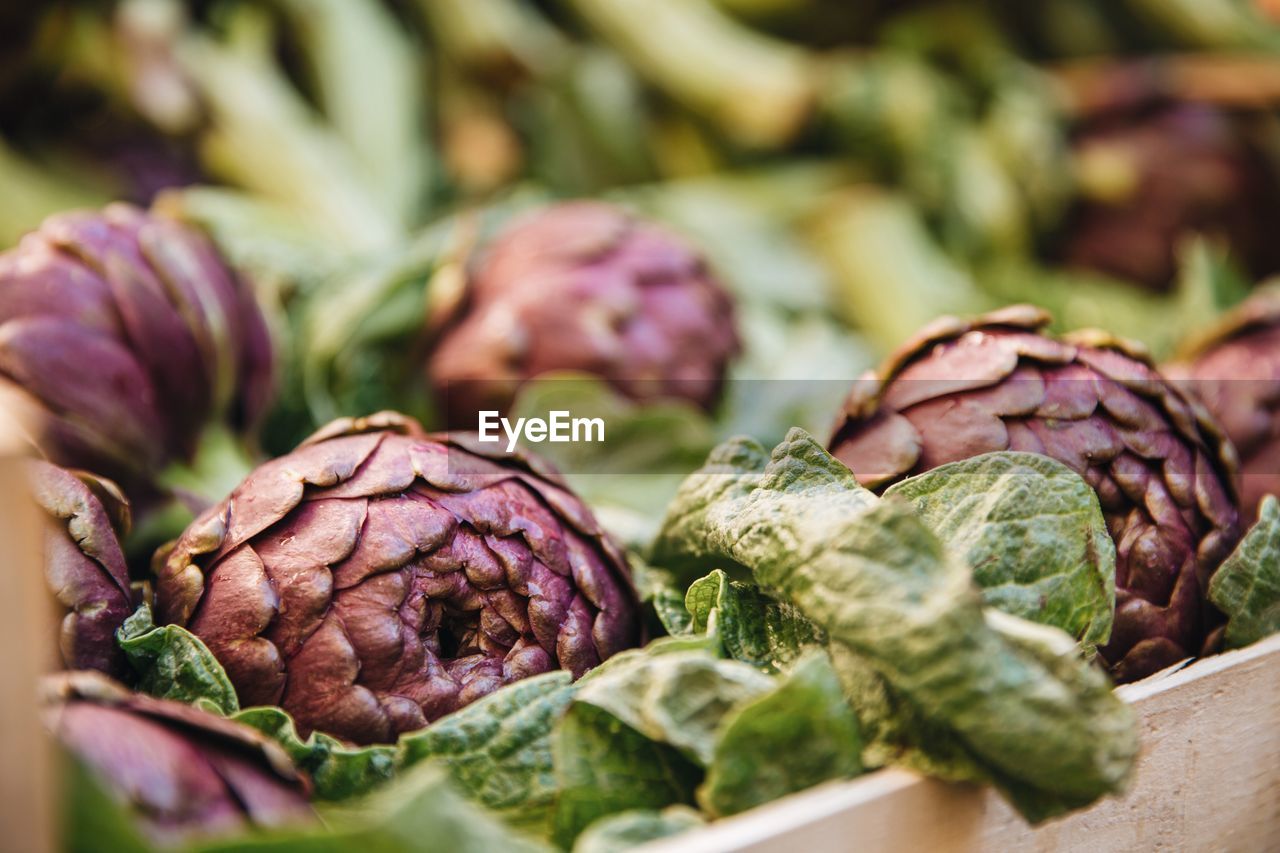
[457, 426]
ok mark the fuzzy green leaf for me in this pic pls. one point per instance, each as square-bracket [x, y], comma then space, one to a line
[173, 663]
[1247, 585]
[603, 767]
[753, 627]
[498, 749]
[801, 733]
[1033, 532]
[338, 771]
[621, 832]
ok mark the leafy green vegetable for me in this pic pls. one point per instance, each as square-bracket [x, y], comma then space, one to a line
[338, 771]
[498, 749]
[603, 767]
[1033, 532]
[172, 663]
[801, 733]
[1039, 722]
[642, 728]
[624, 831]
[752, 626]
[1247, 585]
[678, 698]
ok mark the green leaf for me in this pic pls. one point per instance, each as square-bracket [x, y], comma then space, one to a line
[1247, 585]
[604, 767]
[498, 749]
[1033, 532]
[1040, 722]
[801, 733]
[642, 727]
[91, 819]
[337, 770]
[896, 732]
[369, 82]
[753, 627]
[658, 591]
[621, 832]
[678, 698]
[172, 663]
[421, 811]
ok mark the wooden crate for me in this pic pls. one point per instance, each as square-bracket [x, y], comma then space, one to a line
[1208, 778]
[26, 784]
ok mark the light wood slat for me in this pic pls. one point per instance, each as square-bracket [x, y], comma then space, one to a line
[26, 779]
[1208, 779]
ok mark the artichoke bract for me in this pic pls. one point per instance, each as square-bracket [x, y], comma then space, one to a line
[122, 336]
[84, 565]
[379, 577]
[1154, 176]
[584, 286]
[1163, 473]
[1234, 368]
[182, 772]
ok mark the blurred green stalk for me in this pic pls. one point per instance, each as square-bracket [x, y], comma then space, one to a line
[758, 90]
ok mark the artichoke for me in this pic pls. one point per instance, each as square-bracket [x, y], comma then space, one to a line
[182, 771]
[1234, 368]
[122, 336]
[84, 565]
[1163, 473]
[379, 577]
[1154, 176]
[584, 286]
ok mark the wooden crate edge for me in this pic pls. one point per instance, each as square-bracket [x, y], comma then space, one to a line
[27, 805]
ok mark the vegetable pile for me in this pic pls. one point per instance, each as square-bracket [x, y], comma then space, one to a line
[266, 262]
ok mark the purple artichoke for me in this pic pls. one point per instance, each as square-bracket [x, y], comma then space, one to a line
[584, 286]
[379, 577]
[122, 336]
[183, 772]
[1234, 368]
[1156, 175]
[1162, 471]
[84, 565]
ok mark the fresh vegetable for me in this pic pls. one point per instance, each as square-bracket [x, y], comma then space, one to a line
[1163, 473]
[124, 337]
[1234, 368]
[181, 772]
[584, 286]
[1247, 587]
[927, 668]
[379, 577]
[83, 563]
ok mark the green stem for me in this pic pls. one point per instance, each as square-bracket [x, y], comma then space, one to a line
[757, 89]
